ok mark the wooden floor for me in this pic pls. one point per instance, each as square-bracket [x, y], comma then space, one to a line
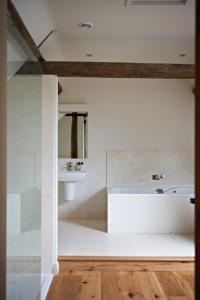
[123, 280]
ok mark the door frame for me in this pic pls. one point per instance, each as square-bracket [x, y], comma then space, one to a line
[3, 87]
[3, 83]
[197, 154]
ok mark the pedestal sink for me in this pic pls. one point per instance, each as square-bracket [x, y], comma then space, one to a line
[70, 178]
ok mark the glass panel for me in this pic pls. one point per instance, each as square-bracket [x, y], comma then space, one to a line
[24, 129]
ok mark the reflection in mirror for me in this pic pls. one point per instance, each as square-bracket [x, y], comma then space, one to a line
[72, 135]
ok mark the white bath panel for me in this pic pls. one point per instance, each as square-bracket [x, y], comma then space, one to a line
[150, 214]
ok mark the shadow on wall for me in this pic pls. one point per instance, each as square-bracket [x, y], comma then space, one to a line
[99, 225]
[30, 213]
[77, 209]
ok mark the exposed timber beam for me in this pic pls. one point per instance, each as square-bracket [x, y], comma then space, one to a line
[18, 22]
[119, 70]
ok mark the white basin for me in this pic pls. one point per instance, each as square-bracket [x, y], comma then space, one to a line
[71, 176]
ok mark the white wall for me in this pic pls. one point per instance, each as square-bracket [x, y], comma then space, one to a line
[134, 168]
[126, 114]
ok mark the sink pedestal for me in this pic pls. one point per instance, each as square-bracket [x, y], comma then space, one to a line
[70, 179]
[69, 191]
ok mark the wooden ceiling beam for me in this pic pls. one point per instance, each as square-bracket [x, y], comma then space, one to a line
[100, 69]
[18, 22]
[119, 70]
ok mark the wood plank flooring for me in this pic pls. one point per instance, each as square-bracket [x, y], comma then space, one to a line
[118, 280]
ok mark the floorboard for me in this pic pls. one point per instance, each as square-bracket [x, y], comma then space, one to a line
[116, 281]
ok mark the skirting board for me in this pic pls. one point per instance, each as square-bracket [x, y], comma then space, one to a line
[45, 286]
[55, 269]
[152, 264]
[127, 258]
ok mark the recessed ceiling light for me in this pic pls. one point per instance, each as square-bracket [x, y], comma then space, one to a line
[86, 25]
[154, 2]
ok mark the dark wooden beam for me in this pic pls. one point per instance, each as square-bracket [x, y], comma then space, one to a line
[18, 22]
[118, 70]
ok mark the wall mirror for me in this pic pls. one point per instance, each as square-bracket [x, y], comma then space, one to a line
[72, 132]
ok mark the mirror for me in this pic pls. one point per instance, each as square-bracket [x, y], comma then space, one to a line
[72, 134]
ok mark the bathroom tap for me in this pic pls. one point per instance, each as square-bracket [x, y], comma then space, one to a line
[162, 176]
[69, 166]
[158, 176]
[77, 166]
[155, 177]
[159, 191]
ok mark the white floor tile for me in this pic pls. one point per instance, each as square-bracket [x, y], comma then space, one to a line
[89, 238]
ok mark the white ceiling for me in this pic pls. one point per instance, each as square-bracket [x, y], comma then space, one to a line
[120, 33]
[113, 18]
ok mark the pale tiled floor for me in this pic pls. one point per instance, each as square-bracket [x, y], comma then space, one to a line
[89, 238]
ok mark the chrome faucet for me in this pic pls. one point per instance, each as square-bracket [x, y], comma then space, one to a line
[78, 166]
[158, 176]
[69, 166]
[162, 176]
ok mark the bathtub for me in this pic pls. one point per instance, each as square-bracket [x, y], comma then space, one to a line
[149, 210]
